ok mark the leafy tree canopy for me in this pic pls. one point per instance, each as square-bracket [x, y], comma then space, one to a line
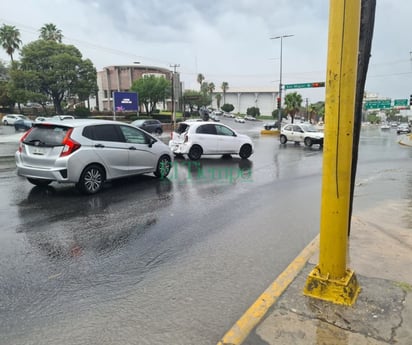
[49, 69]
[151, 90]
[293, 102]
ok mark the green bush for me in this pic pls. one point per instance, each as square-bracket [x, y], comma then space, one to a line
[81, 112]
[253, 111]
[227, 107]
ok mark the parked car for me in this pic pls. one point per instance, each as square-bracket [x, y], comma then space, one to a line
[88, 153]
[239, 119]
[228, 115]
[403, 128]
[214, 117]
[195, 139]
[150, 126]
[250, 118]
[63, 117]
[22, 124]
[271, 125]
[301, 132]
[10, 119]
[42, 118]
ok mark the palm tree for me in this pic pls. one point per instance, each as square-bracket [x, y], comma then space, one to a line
[10, 39]
[211, 87]
[218, 99]
[50, 32]
[224, 87]
[200, 78]
[293, 102]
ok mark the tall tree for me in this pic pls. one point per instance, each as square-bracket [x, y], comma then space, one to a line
[211, 87]
[10, 39]
[50, 32]
[200, 78]
[54, 70]
[293, 102]
[224, 87]
[151, 90]
[218, 99]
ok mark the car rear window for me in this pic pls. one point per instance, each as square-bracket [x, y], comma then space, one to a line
[46, 135]
[183, 127]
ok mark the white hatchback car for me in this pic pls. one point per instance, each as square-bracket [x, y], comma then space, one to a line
[10, 119]
[195, 139]
[301, 132]
[88, 153]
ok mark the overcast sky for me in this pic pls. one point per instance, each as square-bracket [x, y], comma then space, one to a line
[226, 40]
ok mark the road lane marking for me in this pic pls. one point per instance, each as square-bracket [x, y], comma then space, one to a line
[242, 328]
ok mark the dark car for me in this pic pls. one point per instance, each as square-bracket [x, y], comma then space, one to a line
[270, 125]
[23, 125]
[150, 126]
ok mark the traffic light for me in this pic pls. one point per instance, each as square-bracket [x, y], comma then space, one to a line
[318, 84]
[279, 102]
[410, 100]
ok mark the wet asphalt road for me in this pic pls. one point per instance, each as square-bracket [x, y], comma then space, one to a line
[173, 261]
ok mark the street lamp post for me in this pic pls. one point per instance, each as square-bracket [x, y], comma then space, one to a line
[173, 95]
[280, 76]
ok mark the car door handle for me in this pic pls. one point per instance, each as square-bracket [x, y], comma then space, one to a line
[132, 148]
[99, 145]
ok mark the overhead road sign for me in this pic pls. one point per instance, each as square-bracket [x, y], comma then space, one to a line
[400, 102]
[378, 104]
[304, 85]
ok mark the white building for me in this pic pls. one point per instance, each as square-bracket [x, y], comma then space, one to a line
[242, 99]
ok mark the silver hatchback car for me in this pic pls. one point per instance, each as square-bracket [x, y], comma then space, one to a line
[88, 153]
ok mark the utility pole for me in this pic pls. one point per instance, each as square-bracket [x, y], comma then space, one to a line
[331, 280]
[307, 110]
[280, 76]
[173, 95]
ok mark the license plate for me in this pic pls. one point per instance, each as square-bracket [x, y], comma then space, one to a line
[39, 151]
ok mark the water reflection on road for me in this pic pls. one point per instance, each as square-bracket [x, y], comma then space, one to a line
[174, 260]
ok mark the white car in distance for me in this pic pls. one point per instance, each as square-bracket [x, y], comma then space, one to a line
[301, 132]
[196, 139]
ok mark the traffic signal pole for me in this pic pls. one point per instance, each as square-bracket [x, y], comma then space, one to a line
[331, 280]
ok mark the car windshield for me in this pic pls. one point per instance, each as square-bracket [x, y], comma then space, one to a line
[309, 128]
[46, 136]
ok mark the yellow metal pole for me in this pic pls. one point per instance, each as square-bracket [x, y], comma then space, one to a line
[331, 280]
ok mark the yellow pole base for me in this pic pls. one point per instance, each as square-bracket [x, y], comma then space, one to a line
[342, 291]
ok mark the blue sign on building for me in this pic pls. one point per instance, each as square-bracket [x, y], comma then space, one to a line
[126, 101]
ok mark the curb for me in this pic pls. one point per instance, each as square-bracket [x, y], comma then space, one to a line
[242, 328]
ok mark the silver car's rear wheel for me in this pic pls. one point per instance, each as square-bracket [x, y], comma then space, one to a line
[92, 179]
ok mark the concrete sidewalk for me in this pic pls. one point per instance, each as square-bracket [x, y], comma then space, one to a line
[381, 256]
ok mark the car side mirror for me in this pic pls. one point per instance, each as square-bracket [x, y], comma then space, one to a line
[151, 142]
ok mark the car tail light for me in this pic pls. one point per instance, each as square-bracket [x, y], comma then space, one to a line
[186, 138]
[171, 135]
[22, 139]
[70, 145]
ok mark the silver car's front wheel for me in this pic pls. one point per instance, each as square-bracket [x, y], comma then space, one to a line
[92, 179]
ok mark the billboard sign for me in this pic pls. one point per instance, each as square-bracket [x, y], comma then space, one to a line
[126, 101]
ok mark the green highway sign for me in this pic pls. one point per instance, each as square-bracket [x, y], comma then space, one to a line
[400, 103]
[378, 104]
[304, 85]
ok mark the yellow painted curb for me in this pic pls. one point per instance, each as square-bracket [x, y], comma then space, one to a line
[269, 132]
[242, 328]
